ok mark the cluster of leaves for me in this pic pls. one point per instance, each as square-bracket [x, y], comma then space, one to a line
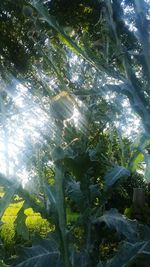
[89, 200]
[79, 190]
[75, 192]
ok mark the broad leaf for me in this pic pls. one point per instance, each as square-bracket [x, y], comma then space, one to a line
[33, 202]
[44, 254]
[79, 259]
[74, 191]
[2, 264]
[147, 171]
[130, 254]
[144, 232]
[115, 174]
[21, 227]
[137, 158]
[120, 223]
[78, 165]
[51, 20]
[141, 259]
[95, 191]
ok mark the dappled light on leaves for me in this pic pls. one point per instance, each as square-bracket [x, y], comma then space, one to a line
[29, 120]
[74, 133]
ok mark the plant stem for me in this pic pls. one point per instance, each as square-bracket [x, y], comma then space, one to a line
[59, 179]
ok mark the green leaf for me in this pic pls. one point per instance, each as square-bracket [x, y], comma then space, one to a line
[120, 223]
[95, 191]
[71, 216]
[147, 171]
[78, 165]
[115, 174]
[79, 259]
[5, 201]
[51, 20]
[74, 192]
[144, 232]
[100, 264]
[2, 264]
[27, 11]
[57, 154]
[32, 201]
[136, 160]
[21, 227]
[41, 255]
[129, 212]
[141, 259]
[130, 254]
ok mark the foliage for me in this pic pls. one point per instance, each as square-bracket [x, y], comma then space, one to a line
[41, 255]
[70, 56]
[129, 255]
[23, 226]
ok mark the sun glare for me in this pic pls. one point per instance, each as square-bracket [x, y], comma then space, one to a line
[28, 123]
[30, 118]
[23, 128]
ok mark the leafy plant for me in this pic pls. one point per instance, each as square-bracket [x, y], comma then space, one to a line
[73, 170]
